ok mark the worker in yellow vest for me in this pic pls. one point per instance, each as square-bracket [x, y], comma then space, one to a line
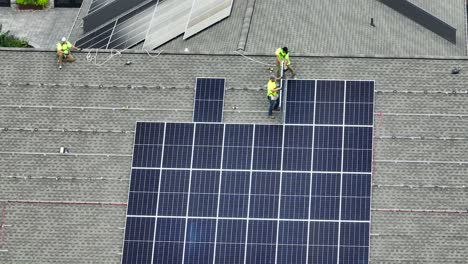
[273, 96]
[282, 55]
[64, 49]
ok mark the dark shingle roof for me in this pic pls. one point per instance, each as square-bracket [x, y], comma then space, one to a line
[420, 163]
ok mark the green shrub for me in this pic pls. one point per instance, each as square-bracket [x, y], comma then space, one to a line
[8, 40]
[33, 2]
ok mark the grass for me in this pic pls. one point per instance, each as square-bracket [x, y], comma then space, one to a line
[10, 41]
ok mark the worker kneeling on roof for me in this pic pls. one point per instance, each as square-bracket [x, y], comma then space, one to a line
[282, 55]
[64, 49]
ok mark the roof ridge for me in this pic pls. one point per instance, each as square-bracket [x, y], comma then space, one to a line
[233, 53]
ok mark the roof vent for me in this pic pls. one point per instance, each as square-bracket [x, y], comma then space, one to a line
[423, 18]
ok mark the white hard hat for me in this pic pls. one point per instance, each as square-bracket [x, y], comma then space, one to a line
[64, 39]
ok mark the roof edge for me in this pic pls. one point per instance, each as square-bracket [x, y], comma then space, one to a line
[236, 53]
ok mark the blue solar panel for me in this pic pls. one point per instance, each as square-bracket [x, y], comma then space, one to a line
[238, 193]
[209, 100]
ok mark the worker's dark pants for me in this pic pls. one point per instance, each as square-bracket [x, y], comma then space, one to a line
[274, 104]
[65, 58]
[278, 69]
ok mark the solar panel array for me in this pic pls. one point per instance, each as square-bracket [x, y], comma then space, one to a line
[122, 33]
[209, 100]
[257, 193]
[155, 23]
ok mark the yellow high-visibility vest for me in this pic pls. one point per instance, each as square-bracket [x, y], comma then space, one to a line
[271, 87]
[65, 47]
[281, 54]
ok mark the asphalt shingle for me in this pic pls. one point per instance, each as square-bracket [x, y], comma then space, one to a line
[92, 119]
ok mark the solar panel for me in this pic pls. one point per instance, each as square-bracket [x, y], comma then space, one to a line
[103, 11]
[255, 193]
[97, 39]
[131, 29]
[169, 22]
[96, 4]
[205, 13]
[122, 33]
[209, 100]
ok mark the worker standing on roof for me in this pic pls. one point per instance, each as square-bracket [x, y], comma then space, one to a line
[64, 49]
[273, 96]
[282, 55]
